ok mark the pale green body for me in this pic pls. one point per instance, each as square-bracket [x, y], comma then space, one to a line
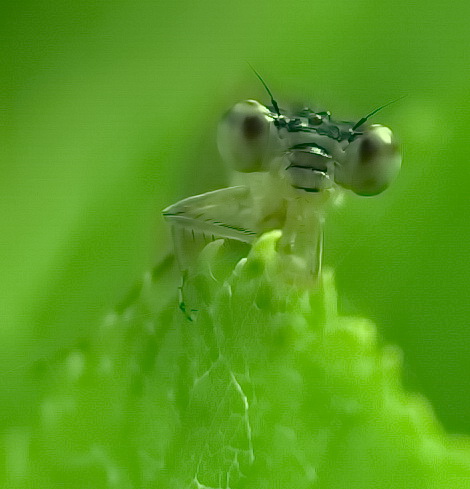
[286, 170]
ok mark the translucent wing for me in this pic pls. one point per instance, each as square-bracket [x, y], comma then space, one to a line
[195, 221]
[224, 213]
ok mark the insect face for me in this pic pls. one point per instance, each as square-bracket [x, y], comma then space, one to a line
[309, 149]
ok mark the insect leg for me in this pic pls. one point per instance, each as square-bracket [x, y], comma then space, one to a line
[302, 238]
[182, 303]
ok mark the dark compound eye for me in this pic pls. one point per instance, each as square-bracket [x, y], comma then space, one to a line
[371, 162]
[253, 127]
[369, 149]
[245, 136]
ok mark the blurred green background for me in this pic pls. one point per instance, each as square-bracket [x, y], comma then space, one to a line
[108, 113]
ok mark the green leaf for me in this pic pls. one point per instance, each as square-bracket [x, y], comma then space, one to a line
[267, 387]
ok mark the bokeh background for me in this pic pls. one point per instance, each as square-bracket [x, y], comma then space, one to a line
[108, 113]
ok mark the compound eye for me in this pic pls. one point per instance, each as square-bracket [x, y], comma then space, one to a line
[244, 136]
[371, 163]
[369, 149]
[253, 127]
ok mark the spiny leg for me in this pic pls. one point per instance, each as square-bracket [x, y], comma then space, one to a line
[182, 304]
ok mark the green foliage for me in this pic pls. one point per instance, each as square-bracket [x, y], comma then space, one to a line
[108, 114]
[268, 387]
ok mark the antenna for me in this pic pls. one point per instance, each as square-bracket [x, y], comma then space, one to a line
[368, 116]
[276, 107]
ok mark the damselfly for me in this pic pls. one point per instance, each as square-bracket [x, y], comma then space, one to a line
[287, 165]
